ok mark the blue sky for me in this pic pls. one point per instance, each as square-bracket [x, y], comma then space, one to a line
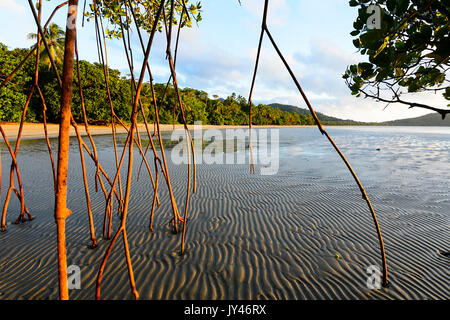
[217, 56]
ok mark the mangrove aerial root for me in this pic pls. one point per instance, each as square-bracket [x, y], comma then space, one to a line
[116, 193]
[60, 167]
[265, 30]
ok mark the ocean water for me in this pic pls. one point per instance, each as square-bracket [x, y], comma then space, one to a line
[415, 154]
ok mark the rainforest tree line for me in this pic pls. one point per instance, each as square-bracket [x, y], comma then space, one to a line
[198, 105]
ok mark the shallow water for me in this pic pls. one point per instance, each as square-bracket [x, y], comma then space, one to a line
[252, 236]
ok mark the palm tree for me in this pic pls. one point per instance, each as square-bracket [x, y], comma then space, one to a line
[54, 36]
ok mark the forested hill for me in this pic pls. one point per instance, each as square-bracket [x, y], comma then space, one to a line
[198, 106]
[322, 117]
[431, 119]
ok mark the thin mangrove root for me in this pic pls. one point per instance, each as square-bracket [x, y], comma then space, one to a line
[12, 188]
[114, 117]
[154, 195]
[134, 114]
[61, 210]
[322, 130]
[155, 105]
[86, 125]
[252, 167]
[133, 88]
[102, 266]
[177, 218]
[86, 186]
[142, 161]
[129, 265]
[47, 140]
[113, 184]
[15, 167]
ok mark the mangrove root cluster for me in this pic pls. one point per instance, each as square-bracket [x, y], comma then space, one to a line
[114, 186]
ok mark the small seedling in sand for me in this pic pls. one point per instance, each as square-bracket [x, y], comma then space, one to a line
[337, 256]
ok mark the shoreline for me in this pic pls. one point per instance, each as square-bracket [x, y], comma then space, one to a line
[36, 130]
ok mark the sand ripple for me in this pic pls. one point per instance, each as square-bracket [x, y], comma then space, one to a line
[249, 236]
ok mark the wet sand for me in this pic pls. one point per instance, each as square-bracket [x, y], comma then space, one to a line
[249, 236]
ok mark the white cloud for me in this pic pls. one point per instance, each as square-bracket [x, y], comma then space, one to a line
[12, 5]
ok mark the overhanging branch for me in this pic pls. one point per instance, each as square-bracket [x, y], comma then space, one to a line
[442, 112]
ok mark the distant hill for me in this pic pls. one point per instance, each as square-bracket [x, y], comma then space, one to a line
[322, 117]
[431, 119]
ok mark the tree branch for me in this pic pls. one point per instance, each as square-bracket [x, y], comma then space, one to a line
[442, 112]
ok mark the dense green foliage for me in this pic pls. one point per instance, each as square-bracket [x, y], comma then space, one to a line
[407, 52]
[324, 119]
[14, 94]
[117, 12]
[198, 106]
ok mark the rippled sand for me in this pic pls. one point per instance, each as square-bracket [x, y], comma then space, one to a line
[250, 236]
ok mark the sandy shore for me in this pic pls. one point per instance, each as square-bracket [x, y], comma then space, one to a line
[250, 237]
[36, 130]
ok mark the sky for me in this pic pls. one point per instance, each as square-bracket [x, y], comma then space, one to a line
[218, 54]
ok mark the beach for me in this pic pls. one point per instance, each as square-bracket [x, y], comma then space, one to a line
[36, 130]
[302, 233]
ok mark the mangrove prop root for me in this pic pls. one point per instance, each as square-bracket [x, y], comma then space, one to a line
[105, 68]
[122, 228]
[133, 88]
[177, 218]
[60, 170]
[264, 29]
[61, 210]
[12, 188]
[115, 188]
[86, 125]
[47, 140]
[155, 105]
[86, 187]
[156, 160]
[15, 167]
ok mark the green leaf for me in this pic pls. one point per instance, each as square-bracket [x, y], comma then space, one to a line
[447, 93]
[400, 45]
[390, 4]
[426, 32]
[402, 6]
